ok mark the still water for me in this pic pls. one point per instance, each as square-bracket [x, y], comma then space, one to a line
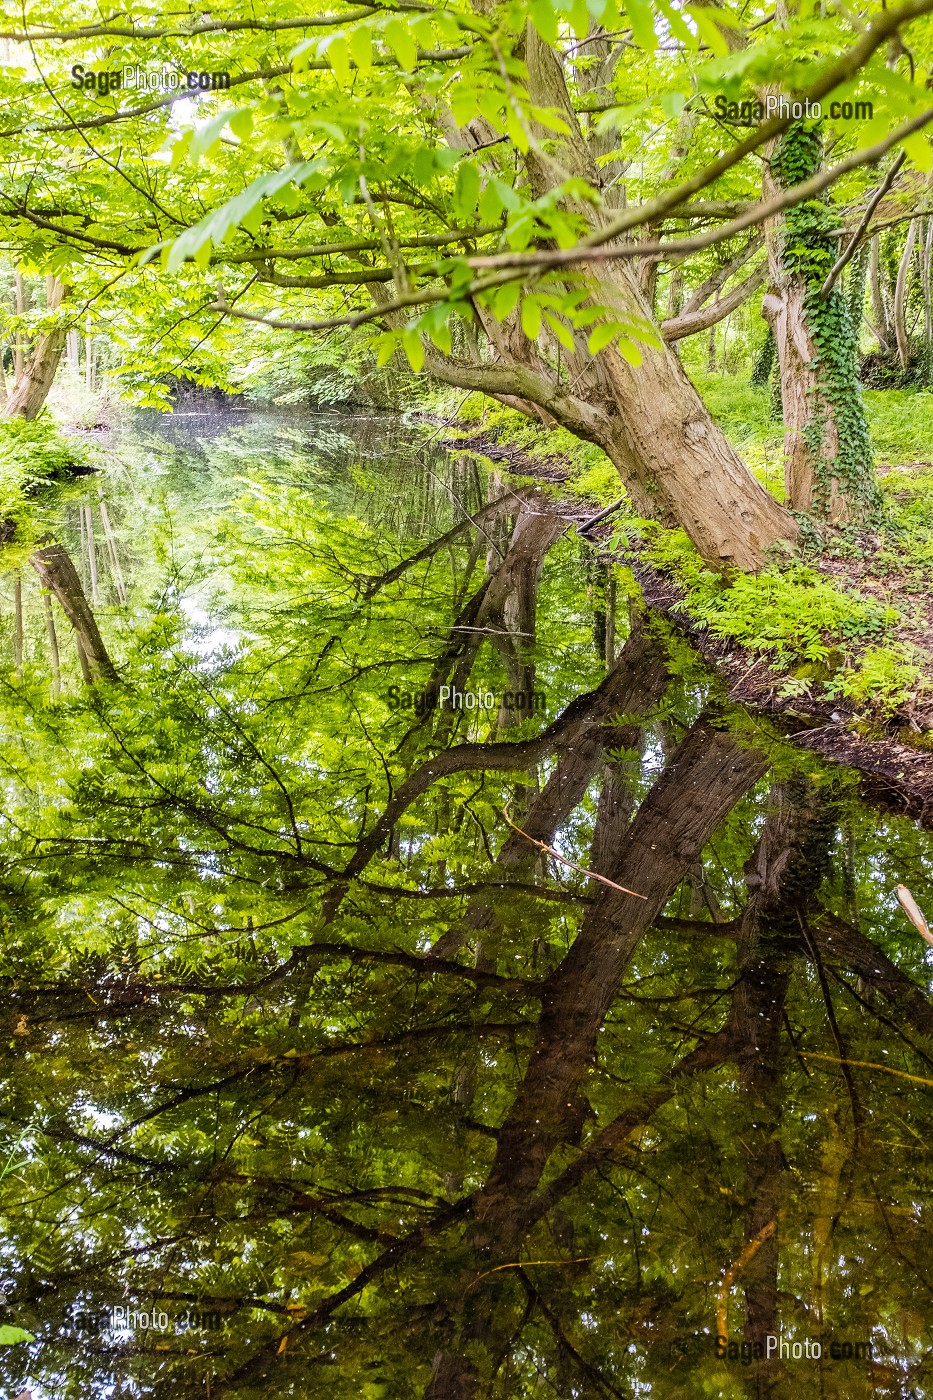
[418, 980]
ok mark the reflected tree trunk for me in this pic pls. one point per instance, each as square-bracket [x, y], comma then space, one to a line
[635, 685]
[708, 774]
[18, 624]
[54, 566]
[53, 647]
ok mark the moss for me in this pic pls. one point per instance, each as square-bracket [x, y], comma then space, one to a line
[829, 641]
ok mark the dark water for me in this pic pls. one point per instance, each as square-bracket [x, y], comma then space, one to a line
[417, 980]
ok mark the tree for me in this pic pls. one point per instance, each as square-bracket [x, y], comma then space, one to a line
[415, 146]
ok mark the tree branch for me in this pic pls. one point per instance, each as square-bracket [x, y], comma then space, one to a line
[678, 327]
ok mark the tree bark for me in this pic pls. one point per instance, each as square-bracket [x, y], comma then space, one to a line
[676, 463]
[878, 306]
[32, 387]
[900, 297]
[58, 574]
[828, 467]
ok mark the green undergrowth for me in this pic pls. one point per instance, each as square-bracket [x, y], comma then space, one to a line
[826, 641]
[33, 456]
[900, 422]
[589, 473]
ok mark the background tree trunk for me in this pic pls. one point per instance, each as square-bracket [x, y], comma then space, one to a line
[32, 386]
[828, 464]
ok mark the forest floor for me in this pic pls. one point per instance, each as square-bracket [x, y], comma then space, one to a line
[883, 641]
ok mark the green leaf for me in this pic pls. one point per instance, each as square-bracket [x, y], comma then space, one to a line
[463, 103]
[216, 225]
[337, 52]
[531, 318]
[401, 43]
[413, 347]
[10, 1336]
[544, 19]
[678, 27]
[241, 122]
[709, 30]
[361, 48]
[506, 299]
[516, 128]
[386, 346]
[466, 193]
[203, 140]
[602, 335]
[920, 151]
[561, 331]
[641, 19]
[629, 351]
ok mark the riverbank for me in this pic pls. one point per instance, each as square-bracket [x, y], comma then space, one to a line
[880, 649]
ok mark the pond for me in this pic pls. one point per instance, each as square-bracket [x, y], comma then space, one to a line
[418, 978]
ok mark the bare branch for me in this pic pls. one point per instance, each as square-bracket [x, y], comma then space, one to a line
[853, 243]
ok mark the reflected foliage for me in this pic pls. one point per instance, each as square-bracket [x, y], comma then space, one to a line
[469, 1052]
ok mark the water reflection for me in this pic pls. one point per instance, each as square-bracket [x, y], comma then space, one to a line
[441, 1050]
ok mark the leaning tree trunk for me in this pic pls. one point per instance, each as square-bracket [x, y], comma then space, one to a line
[828, 464]
[676, 462]
[32, 387]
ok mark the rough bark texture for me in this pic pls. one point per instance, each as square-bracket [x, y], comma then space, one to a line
[58, 574]
[32, 387]
[827, 457]
[675, 461]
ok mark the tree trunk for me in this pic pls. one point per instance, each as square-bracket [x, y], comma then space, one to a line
[32, 387]
[900, 297]
[676, 463]
[878, 306]
[53, 648]
[635, 685]
[20, 304]
[828, 464]
[58, 574]
[18, 624]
